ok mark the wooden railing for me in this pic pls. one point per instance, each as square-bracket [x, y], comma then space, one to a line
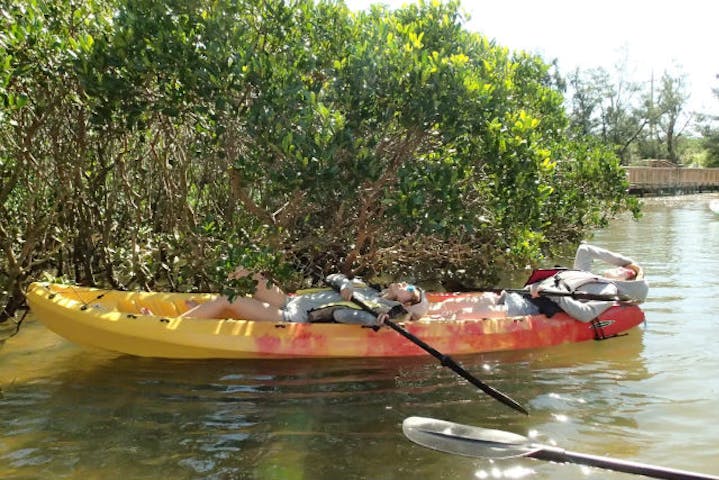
[672, 180]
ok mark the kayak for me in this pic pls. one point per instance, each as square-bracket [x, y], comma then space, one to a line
[148, 324]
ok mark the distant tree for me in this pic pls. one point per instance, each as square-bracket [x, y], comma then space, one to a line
[666, 117]
[586, 99]
[607, 106]
[711, 144]
[710, 132]
[636, 118]
[672, 103]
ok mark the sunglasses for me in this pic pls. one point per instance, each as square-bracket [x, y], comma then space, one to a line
[416, 294]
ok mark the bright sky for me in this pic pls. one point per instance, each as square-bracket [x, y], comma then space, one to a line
[653, 36]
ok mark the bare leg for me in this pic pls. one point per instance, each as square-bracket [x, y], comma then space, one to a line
[483, 311]
[466, 302]
[265, 304]
[241, 308]
[485, 305]
[211, 309]
[252, 309]
[269, 294]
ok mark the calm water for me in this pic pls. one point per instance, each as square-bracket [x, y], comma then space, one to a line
[651, 396]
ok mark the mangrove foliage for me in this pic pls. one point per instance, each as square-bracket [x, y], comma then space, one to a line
[156, 145]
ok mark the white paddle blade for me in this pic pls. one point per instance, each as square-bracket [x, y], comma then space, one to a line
[450, 437]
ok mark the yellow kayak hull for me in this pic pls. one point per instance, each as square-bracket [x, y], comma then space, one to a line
[112, 320]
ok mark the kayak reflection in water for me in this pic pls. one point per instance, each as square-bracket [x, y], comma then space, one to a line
[269, 303]
[626, 279]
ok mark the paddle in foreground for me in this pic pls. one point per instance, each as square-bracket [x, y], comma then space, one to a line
[480, 442]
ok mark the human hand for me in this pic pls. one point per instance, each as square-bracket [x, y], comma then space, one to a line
[346, 293]
[638, 272]
[381, 318]
[534, 290]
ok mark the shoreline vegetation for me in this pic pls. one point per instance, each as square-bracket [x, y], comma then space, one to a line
[148, 145]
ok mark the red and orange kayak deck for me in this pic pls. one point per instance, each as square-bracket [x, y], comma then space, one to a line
[112, 320]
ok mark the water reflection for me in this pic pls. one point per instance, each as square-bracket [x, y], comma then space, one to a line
[649, 396]
[150, 418]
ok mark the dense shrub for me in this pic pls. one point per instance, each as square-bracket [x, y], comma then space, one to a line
[156, 144]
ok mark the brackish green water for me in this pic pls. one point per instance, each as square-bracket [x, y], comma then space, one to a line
[70, 413]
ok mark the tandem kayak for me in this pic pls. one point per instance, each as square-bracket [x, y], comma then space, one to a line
[113, 320]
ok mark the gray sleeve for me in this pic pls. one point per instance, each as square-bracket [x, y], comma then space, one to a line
[584, 311]
[357, 317]
[338, 281]
[380, 305]
[586, 253]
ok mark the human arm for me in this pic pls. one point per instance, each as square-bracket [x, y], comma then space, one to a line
[586, 253]
[344, 285]
[584, 311]
[373, 313]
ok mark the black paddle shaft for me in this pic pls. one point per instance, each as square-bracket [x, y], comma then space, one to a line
[447, 361]
[577, 294]
[480, 442]
[563, 456]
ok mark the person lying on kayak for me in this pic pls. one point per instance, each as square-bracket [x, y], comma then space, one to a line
[402, 301]
[626, 279]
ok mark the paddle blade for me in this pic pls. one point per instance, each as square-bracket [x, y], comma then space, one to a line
[450, 437]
